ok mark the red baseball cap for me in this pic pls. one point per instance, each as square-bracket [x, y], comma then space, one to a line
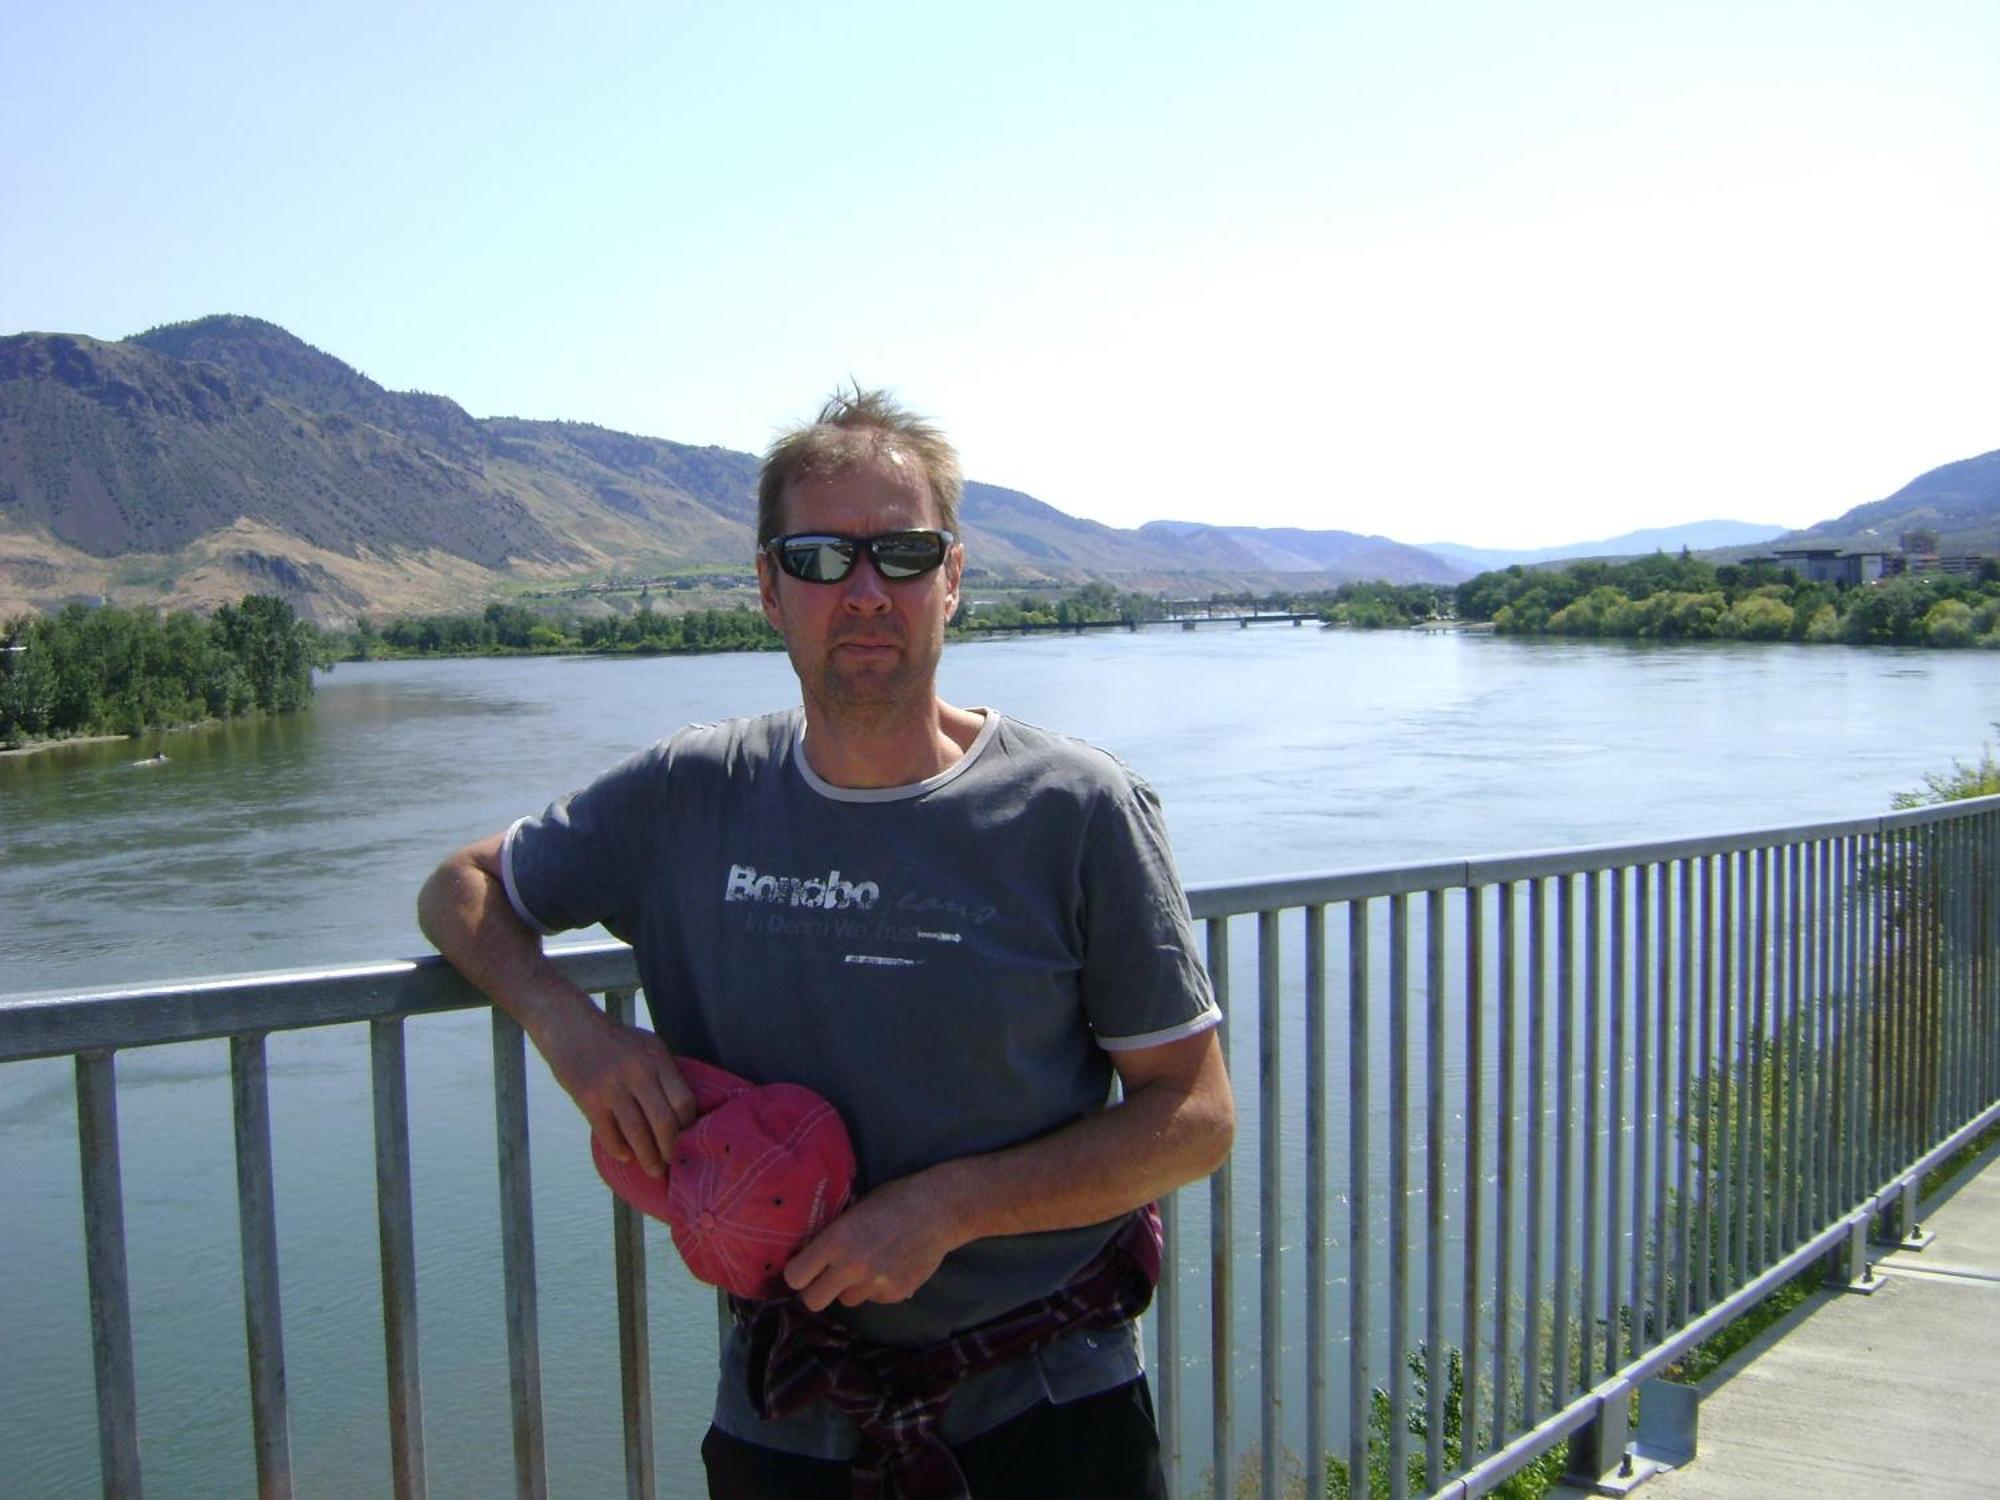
[763, 1170]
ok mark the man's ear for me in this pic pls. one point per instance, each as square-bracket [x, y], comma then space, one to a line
[767, 592]
[954, 572]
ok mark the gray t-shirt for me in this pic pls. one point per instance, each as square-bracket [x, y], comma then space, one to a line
[949, 963]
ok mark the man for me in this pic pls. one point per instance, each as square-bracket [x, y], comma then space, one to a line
[955, 927]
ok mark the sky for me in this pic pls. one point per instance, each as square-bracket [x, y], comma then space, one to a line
[1502, 274]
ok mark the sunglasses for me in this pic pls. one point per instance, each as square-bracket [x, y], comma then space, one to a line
[828, 557]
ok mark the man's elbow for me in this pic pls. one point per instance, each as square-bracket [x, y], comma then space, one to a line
[1216, 1127]
[458, 893]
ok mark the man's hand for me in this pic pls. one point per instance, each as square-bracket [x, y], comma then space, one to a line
[1174, 1125]
[623, 1079]
[881, 1249]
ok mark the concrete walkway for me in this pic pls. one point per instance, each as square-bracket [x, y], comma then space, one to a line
[1897, 1393]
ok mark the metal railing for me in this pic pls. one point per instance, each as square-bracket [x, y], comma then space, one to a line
[1583, 1106]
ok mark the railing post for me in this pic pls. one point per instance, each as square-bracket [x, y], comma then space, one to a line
[395, 1234]
[257, 1221]
[517, 1258]
[1601, 1449]
[110, 1292]
[1221, 1229]
[1270, 1224]
[635, 1364]
[1848, 1266]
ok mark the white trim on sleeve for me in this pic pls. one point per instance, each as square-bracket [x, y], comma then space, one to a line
[513, 891]
[1208, 1020]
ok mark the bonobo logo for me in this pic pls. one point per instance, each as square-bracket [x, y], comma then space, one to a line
[828, 891]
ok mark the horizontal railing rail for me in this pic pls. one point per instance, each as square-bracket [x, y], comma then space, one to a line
[1582, 1106]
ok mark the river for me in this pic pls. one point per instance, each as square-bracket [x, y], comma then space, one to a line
[301, 841]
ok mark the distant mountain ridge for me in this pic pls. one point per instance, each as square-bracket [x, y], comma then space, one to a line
[1959, 501]
[1696, 536]
[198, 461]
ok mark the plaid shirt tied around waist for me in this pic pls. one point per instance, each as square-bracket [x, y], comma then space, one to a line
[897, 1396]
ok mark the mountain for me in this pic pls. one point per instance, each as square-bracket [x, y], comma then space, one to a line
[194, 463]
[198, 461]
[1289, 550]
[1696, 536]
[1959, 501]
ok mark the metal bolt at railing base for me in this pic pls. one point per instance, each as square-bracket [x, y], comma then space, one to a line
[1625, 1466]
[1868, 1270]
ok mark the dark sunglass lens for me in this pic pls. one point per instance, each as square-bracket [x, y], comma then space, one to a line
[821, 559]
[908, 553]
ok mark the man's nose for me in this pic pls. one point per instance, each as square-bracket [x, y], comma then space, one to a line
[863, 590]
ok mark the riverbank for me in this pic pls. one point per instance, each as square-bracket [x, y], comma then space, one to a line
[36, 747]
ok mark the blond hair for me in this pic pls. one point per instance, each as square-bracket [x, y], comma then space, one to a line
[857, 426]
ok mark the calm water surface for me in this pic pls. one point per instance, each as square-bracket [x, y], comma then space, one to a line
[282, 844]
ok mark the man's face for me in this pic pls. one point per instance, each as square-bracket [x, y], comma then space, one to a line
[865, 641]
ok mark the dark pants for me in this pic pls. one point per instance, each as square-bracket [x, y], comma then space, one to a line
[1103, 1447]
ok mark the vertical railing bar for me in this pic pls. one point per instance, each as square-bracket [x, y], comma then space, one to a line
[1879, 990]
[1663, 1001]
[1642, 1099]
[1874, 960]
[1729, 1084]
[1846, 1022]
[1915, 986]
[1683, 1130]
[1785, 1057]
[1937, 969]
[1594, 1130]
[1908, 1000]
[1794, 1069]
[1615, 1137]
[1534, 1405]
[1931, 963]
[396, 1241]
[1360, 1070]
[1966, 1048]
[1812, 1024]
[1970, 968]
[1951, 1042]
[110, 1287]
[1475, 1169]
[1399, 1194]
[1221, 1235]
[1167, 1328]
[1760, 1038]
[1955, 1041]
[1270, 1174]
[257, 1226]
[1746, 1068]
[1711, 1100]
[1820, 996]
[1841, 985]
[1316, 1170]
[1989, 953]
[1562, 1377]
[517, 1247]
[1436, 1362]
[635, 1362]
[1504, 1173]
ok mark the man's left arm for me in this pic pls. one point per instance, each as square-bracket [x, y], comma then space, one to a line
[1173, 1126]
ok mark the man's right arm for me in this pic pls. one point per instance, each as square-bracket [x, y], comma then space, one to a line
[622, 1078]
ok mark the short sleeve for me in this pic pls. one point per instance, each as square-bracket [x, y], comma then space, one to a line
[586, 858]
[1143, 984]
